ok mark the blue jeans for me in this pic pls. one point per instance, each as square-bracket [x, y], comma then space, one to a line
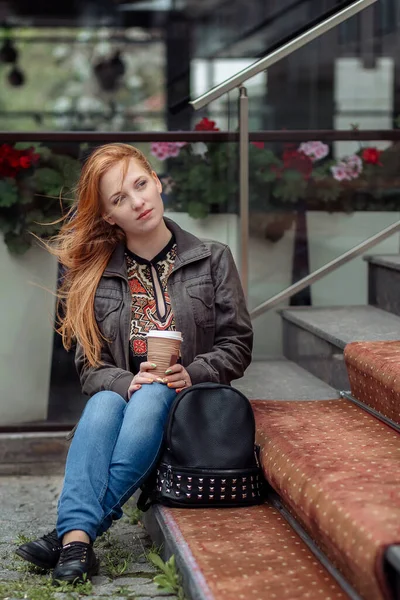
[114, 449]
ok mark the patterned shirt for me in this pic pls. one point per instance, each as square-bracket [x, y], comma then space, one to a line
[151, 305]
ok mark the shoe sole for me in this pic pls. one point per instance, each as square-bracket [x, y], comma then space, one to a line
[35, 561]
[89, 574]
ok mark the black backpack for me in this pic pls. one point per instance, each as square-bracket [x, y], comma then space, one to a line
[209, 457]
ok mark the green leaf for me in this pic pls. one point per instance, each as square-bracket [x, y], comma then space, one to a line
[16, 244]
[43, 151]
[156, 560]
[198, 210]
[163, 582]
[48, 181]
[8, 192]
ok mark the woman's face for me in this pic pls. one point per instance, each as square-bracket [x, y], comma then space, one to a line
[132, 202]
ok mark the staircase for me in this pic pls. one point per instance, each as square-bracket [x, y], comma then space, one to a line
[330, 527]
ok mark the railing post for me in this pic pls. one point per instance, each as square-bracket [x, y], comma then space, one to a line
[244, 187]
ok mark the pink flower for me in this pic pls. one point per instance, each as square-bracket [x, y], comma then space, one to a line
[164, 150]
[340, 172]
[354, 165]
[314, 150]
[347, 169]
[168, 184]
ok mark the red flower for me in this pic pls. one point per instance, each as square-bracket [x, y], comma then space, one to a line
[372, 156]
[139, 346]
[298, 161]
[206, 125]
[259, 145]
[25, 162]
[12, 161]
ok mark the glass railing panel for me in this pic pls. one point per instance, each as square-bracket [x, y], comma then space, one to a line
[75, 78]
[200, 193]
[310, 203]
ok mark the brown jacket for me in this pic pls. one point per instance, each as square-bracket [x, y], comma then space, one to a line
[209, 308]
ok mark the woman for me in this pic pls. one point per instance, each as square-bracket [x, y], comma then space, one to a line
[128, 271]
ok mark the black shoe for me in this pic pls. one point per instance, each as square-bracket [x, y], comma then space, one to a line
[43, 552]
[76, 559]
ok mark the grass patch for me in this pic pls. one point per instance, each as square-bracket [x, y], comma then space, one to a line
[169, 579]
[37, 587]
[23, 539]
[114, 557]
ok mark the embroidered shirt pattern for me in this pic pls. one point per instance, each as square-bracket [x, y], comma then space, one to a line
[151, 305]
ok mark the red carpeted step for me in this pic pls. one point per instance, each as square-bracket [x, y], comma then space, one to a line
[337, 469]
[246, 554]
[374, 374]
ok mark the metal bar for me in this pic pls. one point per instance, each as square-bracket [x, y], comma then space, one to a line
[325, 270]
[277, 55]
[274, 499]
[244, 187]
[298, 135]
[372, 411]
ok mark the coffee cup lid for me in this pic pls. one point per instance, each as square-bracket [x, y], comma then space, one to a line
[171, 335]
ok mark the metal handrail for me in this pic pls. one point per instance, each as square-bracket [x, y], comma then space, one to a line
[325, 270]
[298, 42]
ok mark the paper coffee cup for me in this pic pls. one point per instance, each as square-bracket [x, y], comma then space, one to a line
[163, 349]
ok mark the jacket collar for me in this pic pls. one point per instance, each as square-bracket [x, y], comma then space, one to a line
[189, 249]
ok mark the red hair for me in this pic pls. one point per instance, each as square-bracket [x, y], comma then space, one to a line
[84, 246]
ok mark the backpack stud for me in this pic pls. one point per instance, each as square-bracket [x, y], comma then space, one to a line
[212, 480]
[189, 479]
[179, 477]
[211, 489]
[201, 480]
[199, 496]
[211, 497]
[222, 497]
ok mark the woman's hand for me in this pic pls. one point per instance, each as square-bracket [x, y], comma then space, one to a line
[177, 378]
[143, 377]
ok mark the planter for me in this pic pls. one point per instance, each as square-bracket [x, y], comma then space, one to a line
[26, 342]
[332, 234]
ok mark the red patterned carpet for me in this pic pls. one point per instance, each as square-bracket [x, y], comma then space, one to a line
[337, 469]
[374, 374]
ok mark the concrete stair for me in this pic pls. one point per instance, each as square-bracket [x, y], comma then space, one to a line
[331, 465]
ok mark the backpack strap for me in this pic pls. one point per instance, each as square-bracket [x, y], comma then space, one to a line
[146, 499]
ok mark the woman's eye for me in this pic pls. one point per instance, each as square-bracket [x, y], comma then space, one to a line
[118, 200]
[142, 183]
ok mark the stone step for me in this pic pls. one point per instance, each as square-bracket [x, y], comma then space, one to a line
[315, 338]
[384, 282]
[241, 554]
[38, 453]
[335, 468]
[282, 379]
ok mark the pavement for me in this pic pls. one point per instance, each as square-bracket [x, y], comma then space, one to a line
[28, 508]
